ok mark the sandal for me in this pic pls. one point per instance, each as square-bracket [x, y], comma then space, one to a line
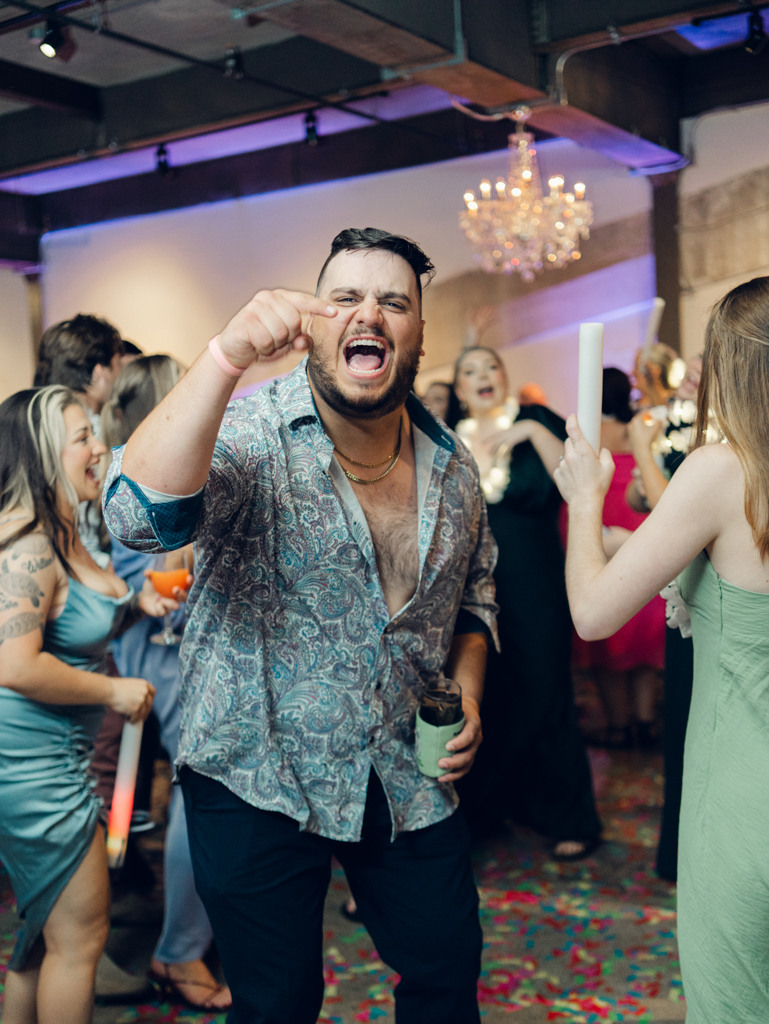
[350, 915]
[588, 845]
[170, 991]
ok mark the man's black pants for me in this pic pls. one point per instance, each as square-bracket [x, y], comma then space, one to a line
[263, 884]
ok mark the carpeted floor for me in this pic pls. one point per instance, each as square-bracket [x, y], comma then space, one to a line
[586, 942]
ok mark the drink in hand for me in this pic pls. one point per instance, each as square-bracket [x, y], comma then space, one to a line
[166, 580]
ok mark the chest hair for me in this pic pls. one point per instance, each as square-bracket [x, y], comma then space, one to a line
[392, 519]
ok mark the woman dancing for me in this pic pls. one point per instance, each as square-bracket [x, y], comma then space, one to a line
[532, 766]
[58, 612]
[711, 526]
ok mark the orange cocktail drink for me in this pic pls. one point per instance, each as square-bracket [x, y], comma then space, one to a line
[166, 580]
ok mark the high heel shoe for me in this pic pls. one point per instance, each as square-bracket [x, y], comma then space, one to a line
[170, 990]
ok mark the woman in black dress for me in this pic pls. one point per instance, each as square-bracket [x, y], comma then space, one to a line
[532, 766]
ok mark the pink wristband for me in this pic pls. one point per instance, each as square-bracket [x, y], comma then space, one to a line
[215, 349]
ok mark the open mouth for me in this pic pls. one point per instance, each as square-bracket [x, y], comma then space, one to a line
[90, 474]
[487, 392]
[366, 357]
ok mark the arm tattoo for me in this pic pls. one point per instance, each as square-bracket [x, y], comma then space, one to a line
[33, 564]
[20, 625]
[19, 584]
[6, 605]
[32, 544]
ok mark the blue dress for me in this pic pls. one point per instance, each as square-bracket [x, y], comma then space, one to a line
[48, 810]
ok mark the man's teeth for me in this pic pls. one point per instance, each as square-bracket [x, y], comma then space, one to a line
[365, 342]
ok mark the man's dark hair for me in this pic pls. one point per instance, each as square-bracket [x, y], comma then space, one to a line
[357, 239]
[69, 351]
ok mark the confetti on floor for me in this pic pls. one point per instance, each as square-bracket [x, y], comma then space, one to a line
[585, 942]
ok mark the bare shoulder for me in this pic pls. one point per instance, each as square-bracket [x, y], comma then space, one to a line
[712, 464]
[28, 569]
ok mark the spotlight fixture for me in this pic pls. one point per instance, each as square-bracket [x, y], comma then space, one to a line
[311, 129]
[233, 63]
[162, 166]
[757, 37]
[52, 40]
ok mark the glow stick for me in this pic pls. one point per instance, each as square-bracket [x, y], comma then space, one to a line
[590, 390]
[123, 796]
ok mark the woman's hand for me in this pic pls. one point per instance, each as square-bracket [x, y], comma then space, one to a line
[643, 429]
[131, 698]
[151, 603]
[581, 473]
[511, 436]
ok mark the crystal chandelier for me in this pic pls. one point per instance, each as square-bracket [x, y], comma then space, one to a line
[514, 227]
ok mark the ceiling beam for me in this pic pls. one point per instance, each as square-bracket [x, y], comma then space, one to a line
[724, 78]
[42, 89]
[20, 230]
[559, 26]
[647, 139]
[361, 151]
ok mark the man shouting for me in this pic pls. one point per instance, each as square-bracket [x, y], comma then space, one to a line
[342, 559]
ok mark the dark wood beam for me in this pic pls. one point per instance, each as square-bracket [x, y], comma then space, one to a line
[559, 26]
[348, 154]
[28, 85]
[667, 256]
[20, 229]
[724, 78]
[183, 103]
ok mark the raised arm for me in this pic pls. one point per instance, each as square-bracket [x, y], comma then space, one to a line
[604, 595]
[172, 448]
[643, 431]
[28, 582]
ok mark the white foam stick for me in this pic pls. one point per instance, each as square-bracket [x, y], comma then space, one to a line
[590, 388]
[123, 795]
[653, 326]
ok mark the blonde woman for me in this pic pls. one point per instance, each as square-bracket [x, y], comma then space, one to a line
[711, 529]
[58, 613]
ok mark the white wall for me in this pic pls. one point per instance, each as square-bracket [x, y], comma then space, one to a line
[170, 281]
[724, 146]
[16, 358]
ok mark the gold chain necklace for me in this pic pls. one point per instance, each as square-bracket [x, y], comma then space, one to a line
[375, 465]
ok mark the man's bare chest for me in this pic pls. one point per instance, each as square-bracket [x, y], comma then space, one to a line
[393, 522]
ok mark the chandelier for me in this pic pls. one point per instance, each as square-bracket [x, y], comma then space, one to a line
[513, 227]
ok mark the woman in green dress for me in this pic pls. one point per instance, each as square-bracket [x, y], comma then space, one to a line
[711, 529]
[532, 766]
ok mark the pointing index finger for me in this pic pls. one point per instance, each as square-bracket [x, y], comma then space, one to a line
[310, 304]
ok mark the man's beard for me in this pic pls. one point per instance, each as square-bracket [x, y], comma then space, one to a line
[363, 408]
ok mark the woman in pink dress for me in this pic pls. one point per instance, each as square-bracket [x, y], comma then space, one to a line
[625, 665]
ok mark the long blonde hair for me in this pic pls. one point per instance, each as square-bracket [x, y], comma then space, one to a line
[142, 385]
[32, 475]
[734, 387]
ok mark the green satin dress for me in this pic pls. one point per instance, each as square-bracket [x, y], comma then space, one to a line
[723, 859]
[48, 809]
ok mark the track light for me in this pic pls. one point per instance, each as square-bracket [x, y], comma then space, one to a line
[311, 129]
[233, 63]
[161, 162]
[53, 40]
[757, 37]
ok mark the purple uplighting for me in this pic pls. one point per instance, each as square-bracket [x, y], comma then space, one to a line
[410, 102]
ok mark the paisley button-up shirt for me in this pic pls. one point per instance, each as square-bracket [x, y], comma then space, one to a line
[295, 679]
